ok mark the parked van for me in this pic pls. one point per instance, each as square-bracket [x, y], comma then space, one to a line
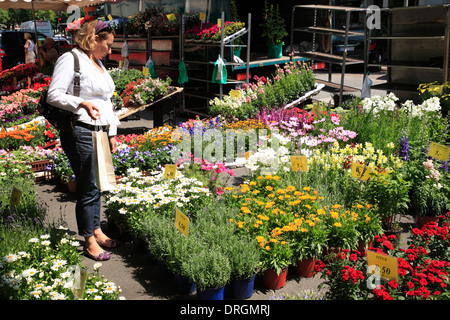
[44, 27]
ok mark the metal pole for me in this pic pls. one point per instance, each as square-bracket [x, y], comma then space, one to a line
[35, 33]
[247, 77]
[344, 58]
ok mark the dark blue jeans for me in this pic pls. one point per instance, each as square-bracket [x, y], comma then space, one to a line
[78, 147]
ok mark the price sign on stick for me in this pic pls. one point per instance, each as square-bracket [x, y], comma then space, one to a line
[15, 196]
[361, 171]
[182, 222]
[299, 163]
[145, 71]
[247, 155]
[170, 171]
[386, 265]
[439, 151]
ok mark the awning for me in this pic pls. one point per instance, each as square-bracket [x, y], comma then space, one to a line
[55, 5]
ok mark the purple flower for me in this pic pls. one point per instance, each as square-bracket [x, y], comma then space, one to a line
[404, 147]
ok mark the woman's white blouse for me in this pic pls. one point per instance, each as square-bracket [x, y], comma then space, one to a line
[96, 87]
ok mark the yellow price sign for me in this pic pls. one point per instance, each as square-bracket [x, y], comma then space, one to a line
[202, 16]
[15, 196]
[235, 94]
[182, 222]
[219, 23]
[439, 151]
[361, 171]
[171, 17]
[299, 163]
[120, 64]
[247, 155]
[170, 171]
[385, 266]
[110, 18]
[145, 71]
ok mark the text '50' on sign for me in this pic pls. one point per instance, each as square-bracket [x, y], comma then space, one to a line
[386, 266]
[182, 222]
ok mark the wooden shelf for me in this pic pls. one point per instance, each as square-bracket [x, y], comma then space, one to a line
[330, 58]
[329, 31]
[325, 7]
[335, 87]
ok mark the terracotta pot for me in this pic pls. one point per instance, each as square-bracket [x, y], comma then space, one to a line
[274, 281]
[72, 186]
[305, 267]
[421, 221]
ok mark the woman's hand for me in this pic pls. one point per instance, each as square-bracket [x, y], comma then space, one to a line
[92, 110]
[113, 144]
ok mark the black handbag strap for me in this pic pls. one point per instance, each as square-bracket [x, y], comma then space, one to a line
[77, 76]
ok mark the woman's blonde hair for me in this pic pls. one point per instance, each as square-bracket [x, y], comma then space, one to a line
[85, 37]
[27, 35]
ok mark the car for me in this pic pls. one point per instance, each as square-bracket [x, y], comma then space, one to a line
[355, 47]
[12, 47]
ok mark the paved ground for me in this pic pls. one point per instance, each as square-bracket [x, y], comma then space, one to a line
[130, 268]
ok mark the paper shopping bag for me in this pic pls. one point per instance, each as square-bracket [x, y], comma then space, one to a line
[104, 169]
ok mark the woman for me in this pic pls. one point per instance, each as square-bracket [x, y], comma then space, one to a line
[93, 109]
[49, 56]
[30, 56]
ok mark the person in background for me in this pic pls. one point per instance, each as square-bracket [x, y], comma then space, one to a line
[30, 56]
[94, 110]
[49, 56]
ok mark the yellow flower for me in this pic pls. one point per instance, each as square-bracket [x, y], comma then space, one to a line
[303, 230]
[338, 224]
[336, 206]
[280, 191]
[267, 248]
[252, 183]
[306, 188]
[334, 214]
[290, 188]
[269, 188]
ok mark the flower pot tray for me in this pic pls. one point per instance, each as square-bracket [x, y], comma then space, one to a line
[306, 96]
[125, 112]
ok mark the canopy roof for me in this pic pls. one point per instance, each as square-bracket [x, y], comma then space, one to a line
[55, 5]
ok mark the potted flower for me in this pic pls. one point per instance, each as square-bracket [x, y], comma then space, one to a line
[308, 239]
[62, 167]
[430, 189]
[389, 195]
[210, 270]
[244, 257]
[276, 256]
[367, 223]
[274, 30]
